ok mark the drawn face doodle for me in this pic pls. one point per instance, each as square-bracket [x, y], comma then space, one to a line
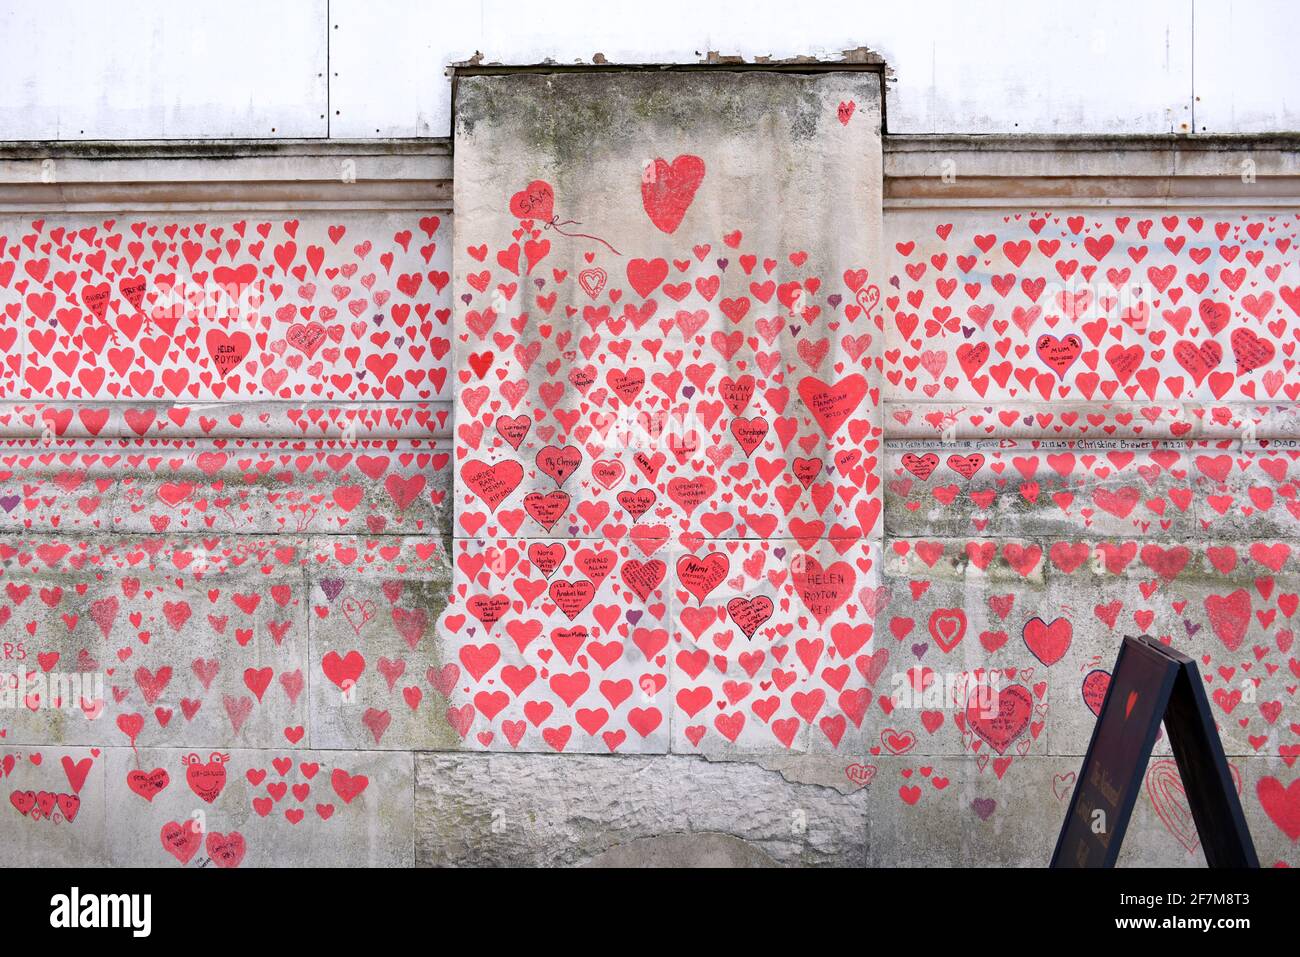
[206, 779]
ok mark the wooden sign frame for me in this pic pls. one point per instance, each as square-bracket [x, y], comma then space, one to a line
[1153, 683]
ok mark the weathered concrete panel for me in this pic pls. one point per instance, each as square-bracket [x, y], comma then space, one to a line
[379, 678]
[558, 645]
[154, 641]
[263, 808]
[1049, 488]
[1105, 403]
[774, 650]
[55, 812]
[221, 430]
[1049, 616]
[972, 817]
[207, 307]
[652, 365]
[681, 338]
[225, 487]
[882, 810]
[545, 810]
[1036, 307]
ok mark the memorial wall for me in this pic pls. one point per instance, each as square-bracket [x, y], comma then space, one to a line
[681, 472]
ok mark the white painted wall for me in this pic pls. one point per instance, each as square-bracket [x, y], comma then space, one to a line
[140, 69]
[85, 69]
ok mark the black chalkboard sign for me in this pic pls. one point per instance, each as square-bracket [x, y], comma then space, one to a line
[1152, 683]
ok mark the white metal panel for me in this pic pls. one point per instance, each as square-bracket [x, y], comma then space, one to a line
[388, 63]
[245, 68]
[145, 69]
[1111, 66]
[1247, 66]
[1020, 66]
[1013, 67]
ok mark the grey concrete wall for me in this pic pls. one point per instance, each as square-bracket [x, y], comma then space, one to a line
[793, 642]
[225, 493]
[332, 624]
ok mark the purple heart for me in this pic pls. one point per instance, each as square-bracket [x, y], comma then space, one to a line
[688, 390]
[893, 281]
[377, 318]
[1192, 627]
[539, 283]
[794, 330]
[834, 299]
[723, 264]
[331, 587]
[467, 299]
[634, 616]
[920, 648]
[400, 341]
[984, 807]
[779, 553]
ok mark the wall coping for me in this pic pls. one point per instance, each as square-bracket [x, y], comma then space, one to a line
[224, 175]
[1008, 171]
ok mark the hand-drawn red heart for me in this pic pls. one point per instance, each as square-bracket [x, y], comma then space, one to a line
[1000, 716]
[1095, 683]
[1059, 354]
[667, 190]
[148, 784]
[206, 779]
[700, 574]
[1048, 643]
[182, 840]
[1282, 804]
[1165, 790]
[226, 850]
[534, 201]
[750, 613]
[823, 590]
[947, 627]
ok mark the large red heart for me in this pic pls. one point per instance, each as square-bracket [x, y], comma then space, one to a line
[1229, 617]
[699, 575]
[999, 716]
[227, 351]
[1049, 643]
[226, 850]
[1059, 354]
[206, 780]
[148, 784]
[668, 189]
[750, 613]
[831, 405]
[1282, 804]
[534, 201]
[182, 840]
[492, 483]
[823, 590]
